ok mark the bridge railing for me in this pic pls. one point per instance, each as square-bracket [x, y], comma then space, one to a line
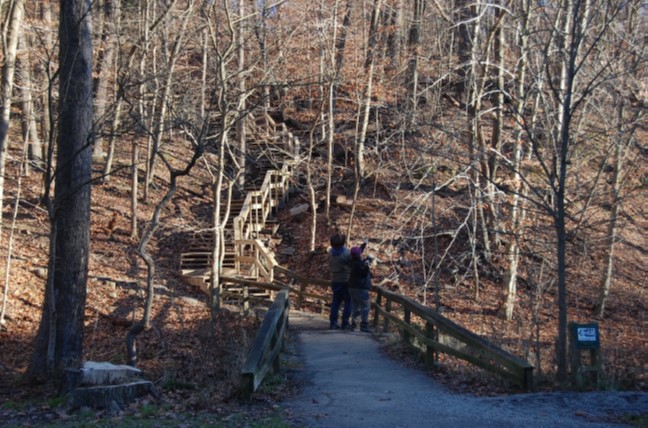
[299, 286]
[264, 355]
[418, 326]
[428, 330]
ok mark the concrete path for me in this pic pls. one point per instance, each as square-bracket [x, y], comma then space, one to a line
[348, 382]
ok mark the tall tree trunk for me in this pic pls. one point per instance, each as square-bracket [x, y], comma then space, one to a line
[340, 43]
[479, 171]
[337, 59]
[569, 45]
[369, 67]
[30, 129]
[464, 48]
[14, 18]
[414, 46]
[513, 250]
[111, 14]
[48, 121]
[240, 124]
[219, 222]
[393, 19]
[59, 343]
[498, 124]
[612, 232]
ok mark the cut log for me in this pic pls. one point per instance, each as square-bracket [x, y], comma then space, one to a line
[104, 397]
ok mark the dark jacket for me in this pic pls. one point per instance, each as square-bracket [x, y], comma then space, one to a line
[339, 264]
[360, 276]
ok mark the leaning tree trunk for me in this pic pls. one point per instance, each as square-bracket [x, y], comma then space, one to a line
[59, 343]
[147, 257]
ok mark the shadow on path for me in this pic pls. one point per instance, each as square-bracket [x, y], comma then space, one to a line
[348, 382]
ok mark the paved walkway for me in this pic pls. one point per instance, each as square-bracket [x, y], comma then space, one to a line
[348, 382]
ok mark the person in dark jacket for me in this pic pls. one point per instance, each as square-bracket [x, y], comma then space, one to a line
[339, 259]
[359, 286]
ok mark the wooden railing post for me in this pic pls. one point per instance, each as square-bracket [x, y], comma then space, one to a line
[300, 296]
[376, 308]
[528, 378]
[430, 354]
[407, 316]
[247, 386]
[388, 305]
[276, 364]
[255, 269]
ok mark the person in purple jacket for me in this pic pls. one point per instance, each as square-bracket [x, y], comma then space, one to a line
[359, 287]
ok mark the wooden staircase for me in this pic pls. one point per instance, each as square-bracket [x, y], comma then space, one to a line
[271, 152]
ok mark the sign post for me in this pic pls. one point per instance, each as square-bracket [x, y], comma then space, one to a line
[585, 344]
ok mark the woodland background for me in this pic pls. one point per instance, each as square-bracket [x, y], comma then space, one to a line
[494, 153]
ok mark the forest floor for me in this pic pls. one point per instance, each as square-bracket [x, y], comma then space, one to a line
[196, 363]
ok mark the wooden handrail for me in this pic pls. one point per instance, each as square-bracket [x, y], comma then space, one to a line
[273, 191]
[262, 260]
[264, 355]
[439, 334]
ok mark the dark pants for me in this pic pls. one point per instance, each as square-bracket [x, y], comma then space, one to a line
[340, 295]
[361, 305]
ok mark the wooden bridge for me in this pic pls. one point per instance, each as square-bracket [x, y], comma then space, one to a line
[250, 271]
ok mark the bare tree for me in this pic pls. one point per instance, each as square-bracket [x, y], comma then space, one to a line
[513, 248]
[59, 343]
[573, 71]
[198, 149]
